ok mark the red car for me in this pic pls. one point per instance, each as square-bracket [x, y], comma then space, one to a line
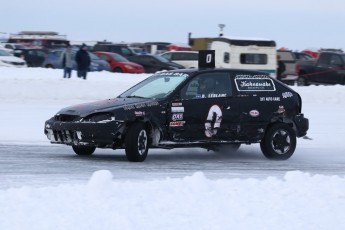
[119, 63]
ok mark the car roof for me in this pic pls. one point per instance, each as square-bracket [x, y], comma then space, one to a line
[181, 51]
[208, 70]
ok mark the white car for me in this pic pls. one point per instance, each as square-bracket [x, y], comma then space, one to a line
[2, 47]
[8, 60]
[12, 46]
[189, 59]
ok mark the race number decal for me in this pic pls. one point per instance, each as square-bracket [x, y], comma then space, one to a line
[213, 121]
[206, 59]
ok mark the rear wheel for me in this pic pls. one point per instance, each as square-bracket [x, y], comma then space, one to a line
[118, 70]
[50, 66]
[83, 150]
[136, 143]
[279, 142]
[302, 81]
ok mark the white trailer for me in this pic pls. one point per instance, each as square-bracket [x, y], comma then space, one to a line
[245, 53]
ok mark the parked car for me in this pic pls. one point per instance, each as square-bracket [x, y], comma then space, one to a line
[153, 63]
[33, 57]
[189, 59]
[13, 46]
[8, 60]
[178, 109]
[54, 60]
[11, 51]
[327, 69]
[122, 49]
[119, 63]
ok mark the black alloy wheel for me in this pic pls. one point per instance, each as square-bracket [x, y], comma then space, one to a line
[136, 143]
[279, 142]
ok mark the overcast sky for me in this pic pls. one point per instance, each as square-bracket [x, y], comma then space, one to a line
[295, 24]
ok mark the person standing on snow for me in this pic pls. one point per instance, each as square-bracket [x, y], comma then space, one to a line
[67, 62]
[280, 68]
[83, 61]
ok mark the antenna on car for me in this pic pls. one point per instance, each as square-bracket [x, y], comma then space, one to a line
[221, 27]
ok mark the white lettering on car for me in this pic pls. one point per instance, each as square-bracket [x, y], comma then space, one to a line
[177, 109]
[213, 121]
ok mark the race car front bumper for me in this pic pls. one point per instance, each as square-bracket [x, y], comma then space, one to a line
[99, 134]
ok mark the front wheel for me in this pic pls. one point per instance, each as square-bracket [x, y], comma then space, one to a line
[49, 66]
[136, 143]
[302, 81]
[117, 70]
[83, 150]
[279, 142]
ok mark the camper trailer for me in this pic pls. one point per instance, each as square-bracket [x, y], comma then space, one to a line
[245, 53]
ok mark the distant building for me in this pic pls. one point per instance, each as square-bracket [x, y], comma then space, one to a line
[43, 39]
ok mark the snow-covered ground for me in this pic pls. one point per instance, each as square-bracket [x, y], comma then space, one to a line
[299, 200]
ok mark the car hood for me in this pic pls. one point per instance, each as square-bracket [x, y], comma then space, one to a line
[102, 106]
[175, 65]
[131, 64]
[11, 59]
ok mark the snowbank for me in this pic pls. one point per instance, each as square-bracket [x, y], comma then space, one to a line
[299, 201]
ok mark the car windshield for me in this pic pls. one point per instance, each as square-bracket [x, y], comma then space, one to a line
[118, 57]
[162, 59]
[4, 53]
[93, 56]
[159, 85]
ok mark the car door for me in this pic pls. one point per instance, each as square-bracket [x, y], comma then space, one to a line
[324, 69]
[33, 58]
[335, 75]
[145, 62]
[258, 100]
[204, 116]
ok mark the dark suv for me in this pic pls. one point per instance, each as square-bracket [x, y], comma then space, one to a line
[121, 49]
[33, 57]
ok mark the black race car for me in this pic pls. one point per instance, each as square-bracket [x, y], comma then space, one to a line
[207, 108]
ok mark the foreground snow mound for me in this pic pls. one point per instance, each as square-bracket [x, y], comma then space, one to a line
[299, 201]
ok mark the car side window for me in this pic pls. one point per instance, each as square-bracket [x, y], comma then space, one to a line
[207, 85]
[324, 59]
[178, 57]
[103, 57]
[167, 56]
[192, 56]
[335, 60]
[125, 51]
